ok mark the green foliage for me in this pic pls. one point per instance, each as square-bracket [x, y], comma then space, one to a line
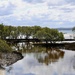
[27, 31]
[61, 36]
[73, 30]
[35, 29]
[4, 47]
[1, 30]
[51, 34]
[40, 34]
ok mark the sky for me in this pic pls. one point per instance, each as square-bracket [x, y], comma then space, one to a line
[44, 13]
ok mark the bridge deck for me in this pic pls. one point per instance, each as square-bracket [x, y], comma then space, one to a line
[44, 43]
[22, 40]
[34, 40]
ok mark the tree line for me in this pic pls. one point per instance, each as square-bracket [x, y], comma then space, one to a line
[15, 32]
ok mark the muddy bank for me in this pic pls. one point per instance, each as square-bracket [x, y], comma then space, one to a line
[7, 59]
[70, 46]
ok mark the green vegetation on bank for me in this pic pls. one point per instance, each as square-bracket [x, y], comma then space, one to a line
[4, 47]
[23, 32]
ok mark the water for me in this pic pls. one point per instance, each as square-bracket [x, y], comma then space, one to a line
[56, 62]
[65, 30]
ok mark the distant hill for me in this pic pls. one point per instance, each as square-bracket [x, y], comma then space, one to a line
[64, 28]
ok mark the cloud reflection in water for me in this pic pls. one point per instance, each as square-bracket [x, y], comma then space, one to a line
[45, 64]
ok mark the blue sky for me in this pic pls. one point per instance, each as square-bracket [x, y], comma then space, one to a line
[45, 13]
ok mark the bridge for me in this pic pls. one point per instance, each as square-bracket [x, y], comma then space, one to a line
[35, 40]
[22, 40]
[45, 42]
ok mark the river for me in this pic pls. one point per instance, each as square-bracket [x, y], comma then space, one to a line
[56, 62]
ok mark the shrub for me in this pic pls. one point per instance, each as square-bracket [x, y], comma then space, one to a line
[4, 47]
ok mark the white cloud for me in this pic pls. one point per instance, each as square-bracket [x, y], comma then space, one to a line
[3, 3]
[44, 10]
[26, 10]
[60, 23]
[55, 2]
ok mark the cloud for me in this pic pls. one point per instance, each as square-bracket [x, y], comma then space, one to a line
[42, 10]
[70, 1]
[33, 1]
[51, 2]
[6, 8]
[38, 12]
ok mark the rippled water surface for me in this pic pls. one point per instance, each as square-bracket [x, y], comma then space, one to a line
[50, 63]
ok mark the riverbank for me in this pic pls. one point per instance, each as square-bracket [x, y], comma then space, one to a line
[7, 59]
[8, 56]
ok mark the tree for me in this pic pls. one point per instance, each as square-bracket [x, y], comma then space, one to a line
[9, 32]
[1, 30]
[49, 34]
[40, 34]
[5, 32]
[26, 31]
[61, 36]
[73, 30]
[35, 29]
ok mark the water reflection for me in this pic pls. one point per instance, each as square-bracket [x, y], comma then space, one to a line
[50, 56]
[9, 69]
[7, 59]
[55, 62]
